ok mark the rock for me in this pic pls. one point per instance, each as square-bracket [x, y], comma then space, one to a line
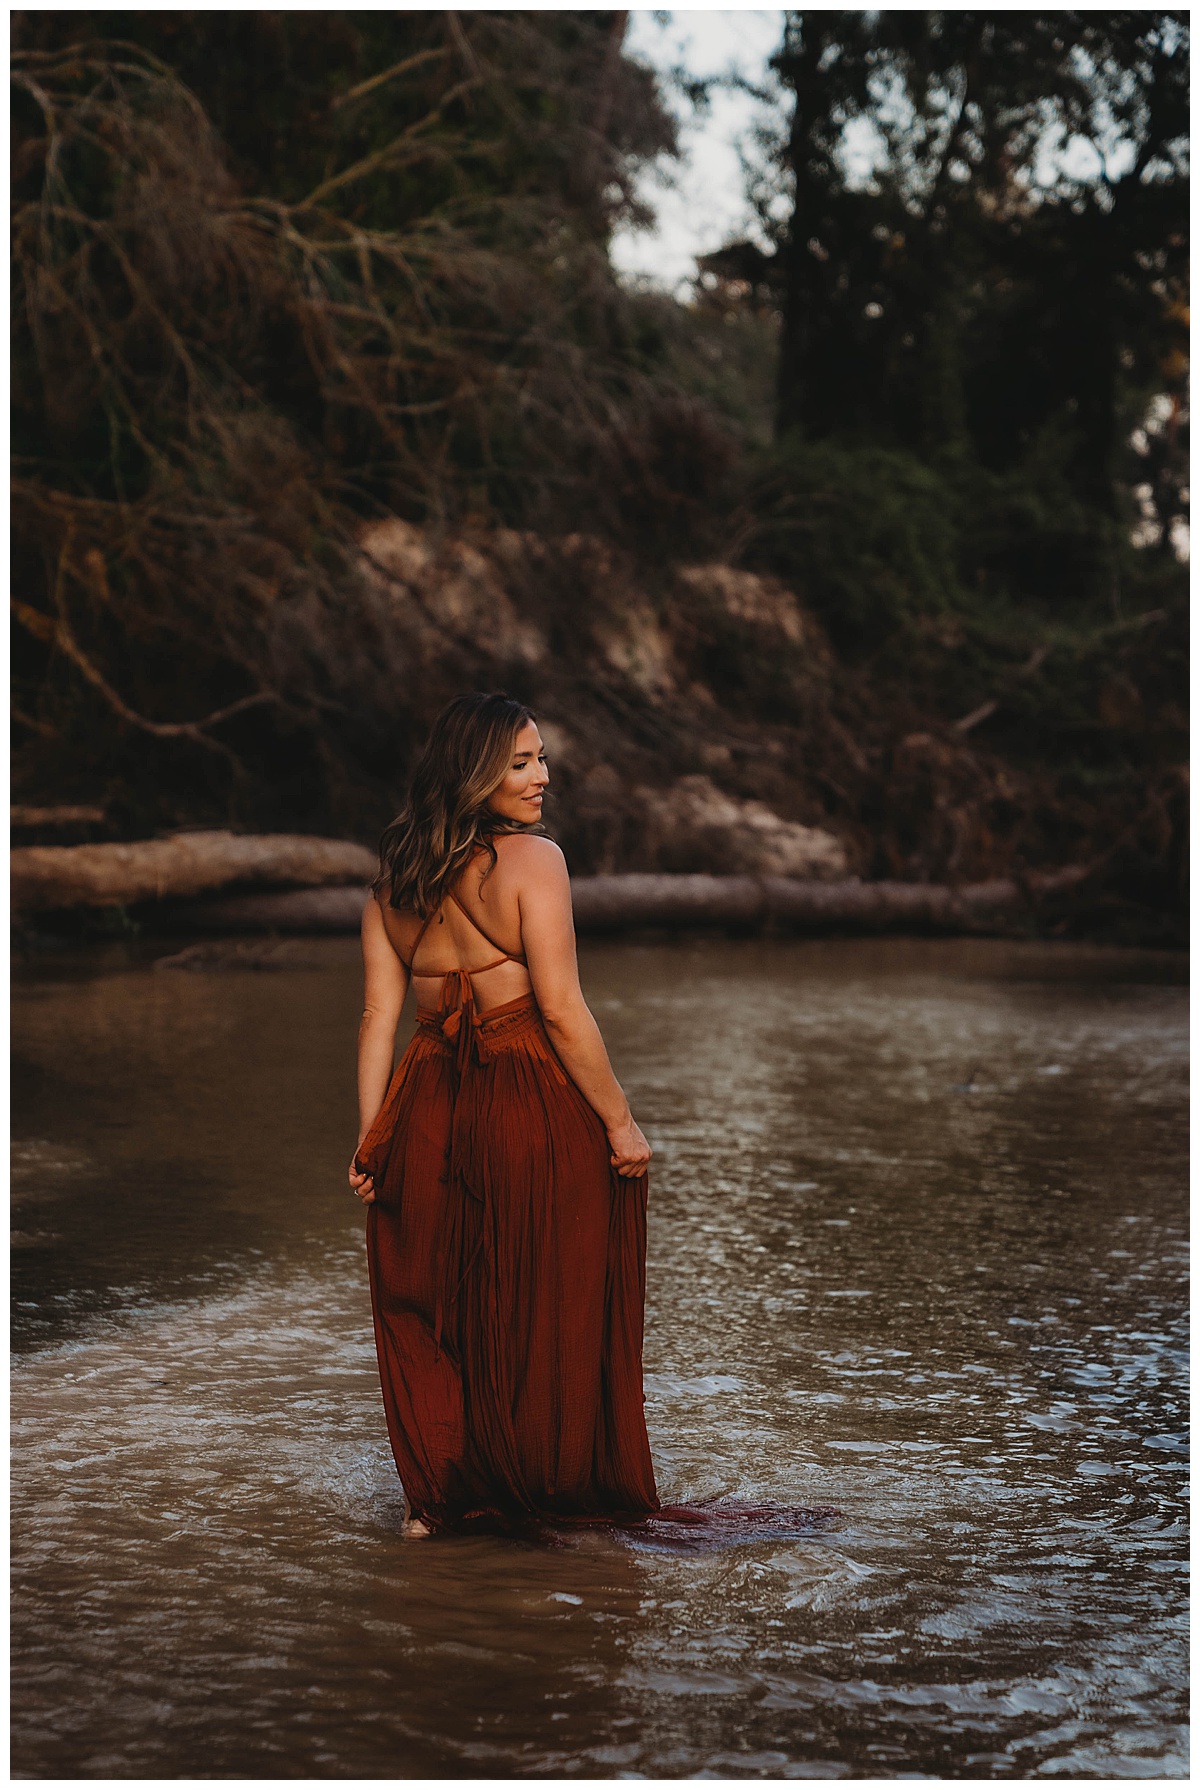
[763, 602]
[638, 644]
[451, 589]
[694, 825]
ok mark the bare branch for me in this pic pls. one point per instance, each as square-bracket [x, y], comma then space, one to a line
[389, 74]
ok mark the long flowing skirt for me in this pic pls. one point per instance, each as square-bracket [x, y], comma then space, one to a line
[507, 1263]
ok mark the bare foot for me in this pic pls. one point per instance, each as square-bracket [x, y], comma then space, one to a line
[413, 1528]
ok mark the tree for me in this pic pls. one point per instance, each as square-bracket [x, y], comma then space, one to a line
[1004, 291]
[276, 273]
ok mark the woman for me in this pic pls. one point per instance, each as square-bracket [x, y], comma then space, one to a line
[503, 1170]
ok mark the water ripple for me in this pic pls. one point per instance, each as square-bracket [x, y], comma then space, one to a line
[917, 1251]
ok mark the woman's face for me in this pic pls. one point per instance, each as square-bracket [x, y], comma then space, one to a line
[519, 797]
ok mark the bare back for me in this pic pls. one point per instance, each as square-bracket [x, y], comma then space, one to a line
[511, 935]
[476, 930]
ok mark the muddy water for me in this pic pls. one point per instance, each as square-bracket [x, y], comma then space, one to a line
[916, 1250]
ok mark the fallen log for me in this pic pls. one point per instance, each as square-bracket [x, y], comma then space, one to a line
[739, 903]
[294, 883]
[759, 903]
[48, 877]
[62, 815]
[292, 910]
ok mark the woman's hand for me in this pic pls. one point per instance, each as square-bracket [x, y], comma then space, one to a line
[630, 1151]
[362, 1185]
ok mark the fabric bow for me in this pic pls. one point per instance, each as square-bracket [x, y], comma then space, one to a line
[454, 1012]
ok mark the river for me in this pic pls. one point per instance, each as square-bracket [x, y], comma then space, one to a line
[917, 1250]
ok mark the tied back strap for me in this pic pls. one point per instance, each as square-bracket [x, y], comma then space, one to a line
[459, 1017]
[460, 1027]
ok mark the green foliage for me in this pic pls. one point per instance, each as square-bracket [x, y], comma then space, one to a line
[865, 533]
[983, 299]
[727, 357]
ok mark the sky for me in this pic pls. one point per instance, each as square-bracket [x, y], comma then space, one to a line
[700, 200]
[706, 205]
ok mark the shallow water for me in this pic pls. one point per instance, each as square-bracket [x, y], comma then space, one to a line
[916, 1250]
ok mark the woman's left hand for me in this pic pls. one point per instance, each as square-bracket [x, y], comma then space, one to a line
[362, 1185]
[629, 1152]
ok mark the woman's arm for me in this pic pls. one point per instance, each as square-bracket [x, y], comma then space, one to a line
[385, 984]
[548, 936]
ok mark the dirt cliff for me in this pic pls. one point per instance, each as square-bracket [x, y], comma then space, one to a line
[700, 722]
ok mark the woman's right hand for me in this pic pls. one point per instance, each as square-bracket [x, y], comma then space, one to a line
[362, 1185]
[630, 1153]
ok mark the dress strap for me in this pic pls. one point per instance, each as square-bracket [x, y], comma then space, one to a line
[505, 957]
[412, 956]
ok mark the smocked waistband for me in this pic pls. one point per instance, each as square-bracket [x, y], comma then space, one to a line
[524, 1003]
[457, 1027]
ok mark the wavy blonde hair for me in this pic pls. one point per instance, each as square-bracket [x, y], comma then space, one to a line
[446, 820]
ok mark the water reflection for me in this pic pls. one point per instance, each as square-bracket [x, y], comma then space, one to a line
[916, 1250]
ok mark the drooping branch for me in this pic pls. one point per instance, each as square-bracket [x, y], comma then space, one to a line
[56, 631]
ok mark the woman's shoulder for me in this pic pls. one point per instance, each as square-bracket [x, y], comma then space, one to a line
[529, 857]
[392, 917]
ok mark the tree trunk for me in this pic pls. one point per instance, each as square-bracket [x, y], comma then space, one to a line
[319, 885]
[45, 877]
[738, 903]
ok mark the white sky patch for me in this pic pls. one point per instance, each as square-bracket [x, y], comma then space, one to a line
[700, 202]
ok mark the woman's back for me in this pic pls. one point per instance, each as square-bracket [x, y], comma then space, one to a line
[477, 930]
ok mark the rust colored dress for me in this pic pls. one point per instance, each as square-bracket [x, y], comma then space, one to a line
[507, 1262]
